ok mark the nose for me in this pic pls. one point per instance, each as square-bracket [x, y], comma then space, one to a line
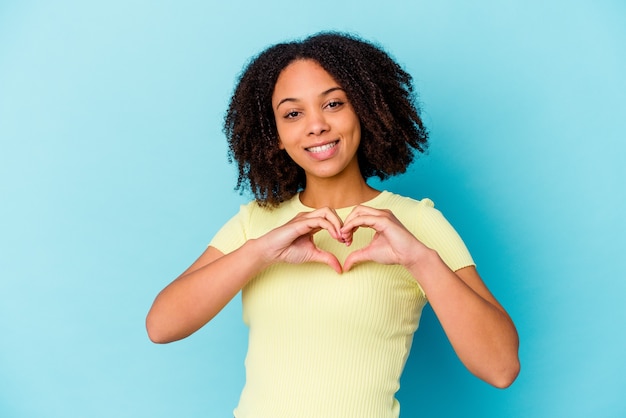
[317, 123]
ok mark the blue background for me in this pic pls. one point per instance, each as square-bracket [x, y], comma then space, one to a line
[114, 177]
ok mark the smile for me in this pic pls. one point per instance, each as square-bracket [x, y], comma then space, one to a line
[322, 148]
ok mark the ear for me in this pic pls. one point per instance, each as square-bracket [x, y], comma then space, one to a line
[280, 144]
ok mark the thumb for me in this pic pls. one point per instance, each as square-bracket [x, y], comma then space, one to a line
[356, 257]
[327, 258]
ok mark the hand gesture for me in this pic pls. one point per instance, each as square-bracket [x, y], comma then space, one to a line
[392, 243]
[293, 242]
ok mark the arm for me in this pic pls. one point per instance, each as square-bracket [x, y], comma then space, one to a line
[479, 329]
[200, 293]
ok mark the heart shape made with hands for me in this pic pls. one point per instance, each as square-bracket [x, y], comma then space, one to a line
[343, 253]
[388, 243]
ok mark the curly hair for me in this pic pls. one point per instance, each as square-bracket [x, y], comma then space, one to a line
[379, 90]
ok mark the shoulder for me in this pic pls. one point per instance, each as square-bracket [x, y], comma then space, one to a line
[406, 206]
[257, 217]
[251, 221]
[419, 215]
[255, 208]
[431, 227]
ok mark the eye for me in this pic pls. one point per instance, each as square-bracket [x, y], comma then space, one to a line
[291, 115]
[333, 104]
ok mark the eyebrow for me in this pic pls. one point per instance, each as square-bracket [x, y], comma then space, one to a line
[324, 93]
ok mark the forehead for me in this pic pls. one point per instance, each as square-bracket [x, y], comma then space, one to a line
[301, 77]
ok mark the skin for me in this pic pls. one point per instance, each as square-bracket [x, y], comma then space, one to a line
[311, 110]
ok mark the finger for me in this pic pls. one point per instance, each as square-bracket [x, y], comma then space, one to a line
[347, 236]
[361, 210]
[356, 257]
[312, 225]
[331, 216]
[327, 258]
[375, 222]
[356, 221]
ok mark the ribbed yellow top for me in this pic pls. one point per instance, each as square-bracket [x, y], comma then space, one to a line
[324, 345]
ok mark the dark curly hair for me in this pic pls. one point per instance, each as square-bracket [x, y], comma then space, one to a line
[379, 90]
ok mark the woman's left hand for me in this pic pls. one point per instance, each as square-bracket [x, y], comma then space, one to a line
[392, 242]
[477, 326]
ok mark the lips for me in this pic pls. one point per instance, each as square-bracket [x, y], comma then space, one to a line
[322, 148]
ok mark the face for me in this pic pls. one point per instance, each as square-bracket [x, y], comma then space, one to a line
[317, 126]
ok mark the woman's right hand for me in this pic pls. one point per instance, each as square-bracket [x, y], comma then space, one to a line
[293, 242]
[202, 290]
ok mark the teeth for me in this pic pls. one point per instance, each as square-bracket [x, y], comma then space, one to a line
[322, 148]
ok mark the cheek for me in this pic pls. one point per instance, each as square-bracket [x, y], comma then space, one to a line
[352, 124]
[355, 128]
[284, 133]
[280, 135]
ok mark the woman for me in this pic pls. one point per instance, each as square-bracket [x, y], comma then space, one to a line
[333, 273]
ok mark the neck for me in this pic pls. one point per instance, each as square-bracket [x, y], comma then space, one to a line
[336, 193]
